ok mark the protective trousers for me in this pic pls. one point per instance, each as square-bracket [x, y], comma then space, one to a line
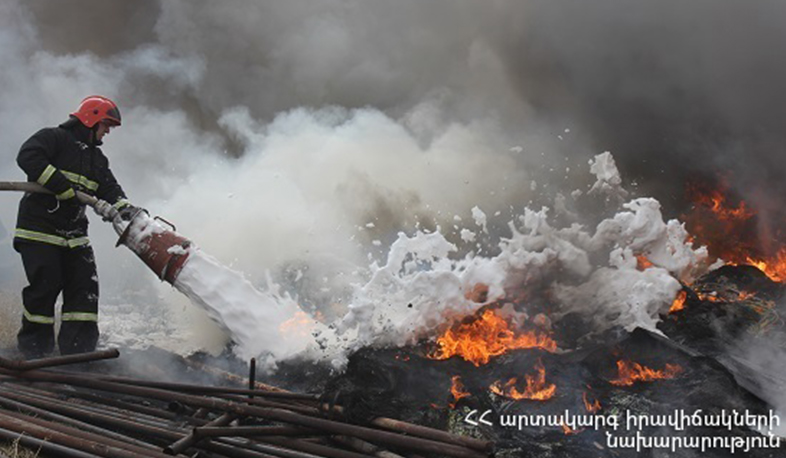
[51, 270]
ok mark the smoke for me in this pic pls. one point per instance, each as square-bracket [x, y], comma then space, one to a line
[298, 138]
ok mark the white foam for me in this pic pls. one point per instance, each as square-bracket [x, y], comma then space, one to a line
[608, 179]
[423, 286]
[256, 320]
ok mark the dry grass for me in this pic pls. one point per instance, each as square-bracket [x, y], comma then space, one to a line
[15, 450]
[10, 317]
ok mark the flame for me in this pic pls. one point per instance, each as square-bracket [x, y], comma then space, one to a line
[630, 373]
[537, 389]
[642, 263]
[568, 431]
[679, 302]
[485, 337]
[774, 268]
[733, 233]
[457, 389]
[713, 296]
[709, 297]
[592, 407]
[718, 204]
[300, 324]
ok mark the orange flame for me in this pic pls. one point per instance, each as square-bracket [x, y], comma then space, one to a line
[713, 297]
[485, 337]
[300, 324]
[775, 268]
[537, 389]
[569, 431]
[709, 297]
[642, 263]
[717, 203]
[630, 373]
[679, 302]
[592, 407]
[732, 233]
[457, 389]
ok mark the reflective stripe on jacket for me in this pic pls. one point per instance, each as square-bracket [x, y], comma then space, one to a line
[63, 159]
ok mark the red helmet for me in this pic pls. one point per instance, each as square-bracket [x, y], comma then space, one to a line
[95, 109]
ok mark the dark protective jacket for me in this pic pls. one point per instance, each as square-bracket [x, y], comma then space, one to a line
[63, 159]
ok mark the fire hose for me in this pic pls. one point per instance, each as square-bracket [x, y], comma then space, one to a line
[161, 248]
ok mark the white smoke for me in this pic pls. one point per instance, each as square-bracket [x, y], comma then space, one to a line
[254, 178]
[273, 133]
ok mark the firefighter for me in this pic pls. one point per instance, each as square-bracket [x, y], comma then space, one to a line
[51, 230]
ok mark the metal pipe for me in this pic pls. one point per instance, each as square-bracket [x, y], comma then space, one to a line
[276, 451]
[365, 447]
[371, 435]
[252, 376]
[74, 438]
[148, 412]
[201, 413]
[204, 368]
[307, 410]
[141, 427]
[44, 445]
[58, 360]
[100, 418]
[106, 403]
[208, 390]
[21, 406]
[309, 447]
[251, 431]
[192, 439]
[49, 403]
[433, 434]
[180, 409]
[423, 431]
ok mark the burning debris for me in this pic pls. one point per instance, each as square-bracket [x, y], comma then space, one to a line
[516, 339]
[733, 232]
[488, 335]
[650, 335]
[631, 373]
[536, 389]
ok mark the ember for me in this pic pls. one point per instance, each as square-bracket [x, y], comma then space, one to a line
[630, 373]
[537, 389]
[714, 297]
[457, 389]
[679, 302]
[593, 406]
[485, 337]
[642, 263]
[568, 431]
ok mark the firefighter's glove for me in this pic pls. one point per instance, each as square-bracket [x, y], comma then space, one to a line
[128, 212]
[104, 210]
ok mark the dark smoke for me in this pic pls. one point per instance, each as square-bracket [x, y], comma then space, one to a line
[673, 89]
